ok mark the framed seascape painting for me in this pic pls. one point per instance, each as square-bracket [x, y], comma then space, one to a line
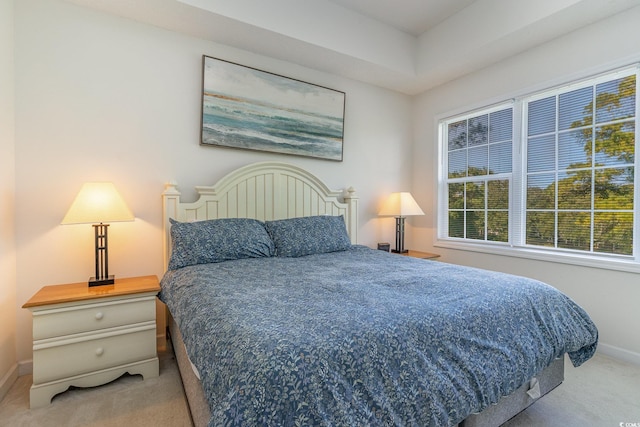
[243, 107]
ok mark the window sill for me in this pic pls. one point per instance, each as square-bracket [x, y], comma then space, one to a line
[611, 262]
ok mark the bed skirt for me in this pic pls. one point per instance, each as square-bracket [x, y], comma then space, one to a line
[510, 406]
[198, 406]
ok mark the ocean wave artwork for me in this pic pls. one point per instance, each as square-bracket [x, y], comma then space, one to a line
[243, 107]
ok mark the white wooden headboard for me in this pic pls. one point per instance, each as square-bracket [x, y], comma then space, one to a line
[264, 191]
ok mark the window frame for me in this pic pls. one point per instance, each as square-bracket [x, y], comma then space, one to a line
[444, 164]
[516, 245]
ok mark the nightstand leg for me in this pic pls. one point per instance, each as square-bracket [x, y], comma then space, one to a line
[41, 394]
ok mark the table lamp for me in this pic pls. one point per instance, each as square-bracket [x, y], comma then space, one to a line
[400, 205]
[99, 203]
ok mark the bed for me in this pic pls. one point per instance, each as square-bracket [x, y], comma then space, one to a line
[278, 316]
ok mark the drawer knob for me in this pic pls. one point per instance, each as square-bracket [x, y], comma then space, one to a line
[99, 315]
[99, 351]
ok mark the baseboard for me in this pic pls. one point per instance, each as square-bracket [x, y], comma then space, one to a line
[7, 381]
[619, 353]
[25, 367]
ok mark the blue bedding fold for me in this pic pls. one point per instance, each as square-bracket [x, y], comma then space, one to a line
[364, 337]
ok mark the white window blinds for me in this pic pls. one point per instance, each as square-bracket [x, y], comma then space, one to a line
[580, 168]
[479, 174]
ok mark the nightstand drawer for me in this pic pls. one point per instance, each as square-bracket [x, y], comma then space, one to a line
[55, 358]
[67, 320]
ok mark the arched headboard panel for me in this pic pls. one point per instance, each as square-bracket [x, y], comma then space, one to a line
[264, 191]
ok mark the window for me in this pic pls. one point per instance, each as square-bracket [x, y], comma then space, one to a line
[479, 173]
[554, 171]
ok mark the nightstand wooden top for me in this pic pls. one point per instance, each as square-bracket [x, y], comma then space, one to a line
[418, 254]
[74, 292]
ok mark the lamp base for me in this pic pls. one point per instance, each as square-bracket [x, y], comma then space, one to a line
[110, 280]
[399, 252]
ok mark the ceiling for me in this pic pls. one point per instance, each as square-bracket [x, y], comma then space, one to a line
[411, 16]
[405, 45]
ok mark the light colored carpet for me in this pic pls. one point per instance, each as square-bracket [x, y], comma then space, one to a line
[603, 392]
[126, 402]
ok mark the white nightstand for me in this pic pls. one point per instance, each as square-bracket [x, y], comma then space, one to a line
[86, 336]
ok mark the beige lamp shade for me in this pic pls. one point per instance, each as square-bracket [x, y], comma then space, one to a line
[400, 204]
[98, 202]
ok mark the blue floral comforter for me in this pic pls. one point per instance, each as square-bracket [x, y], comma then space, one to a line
[363, 337]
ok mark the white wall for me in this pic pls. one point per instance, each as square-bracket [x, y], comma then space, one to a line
[8, 366]
[103, 98]
[610, 297]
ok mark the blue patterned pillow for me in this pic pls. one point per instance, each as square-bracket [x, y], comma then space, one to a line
[308, 235]
[218, 240]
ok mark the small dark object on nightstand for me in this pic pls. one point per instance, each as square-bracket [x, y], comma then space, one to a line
[384, 247]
